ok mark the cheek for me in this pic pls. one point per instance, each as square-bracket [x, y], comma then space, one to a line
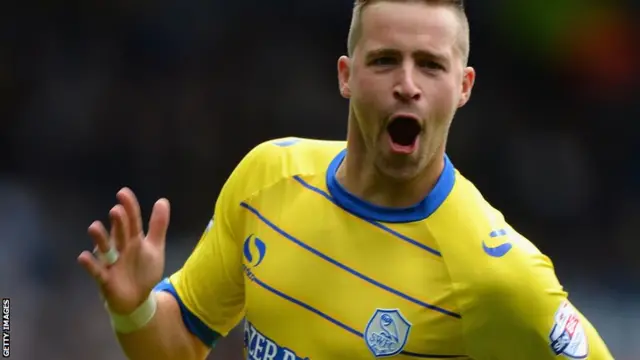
[364, 89]
[370, 86]
[441, 103]
[367, 100]
[442, 98]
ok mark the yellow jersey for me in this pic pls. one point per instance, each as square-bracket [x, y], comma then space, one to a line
[317, 273]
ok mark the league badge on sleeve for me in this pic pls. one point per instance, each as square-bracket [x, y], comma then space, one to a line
[567, 336]
[387, 332]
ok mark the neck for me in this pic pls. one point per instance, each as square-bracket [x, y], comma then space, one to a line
[359, 176]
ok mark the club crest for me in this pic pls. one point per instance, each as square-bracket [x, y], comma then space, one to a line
[387, 332]
[568, 336]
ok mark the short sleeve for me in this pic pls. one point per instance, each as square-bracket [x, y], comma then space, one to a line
[522, 313]
[209, 287]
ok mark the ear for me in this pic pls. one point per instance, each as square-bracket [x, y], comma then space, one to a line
[468, 79]
[344, 72]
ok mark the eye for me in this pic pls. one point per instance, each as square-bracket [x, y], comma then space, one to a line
[431, 65]
[383, 61]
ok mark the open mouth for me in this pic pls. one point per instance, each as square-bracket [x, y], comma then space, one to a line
[404, 131]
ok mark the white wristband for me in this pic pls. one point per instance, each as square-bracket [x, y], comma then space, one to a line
[137, 319]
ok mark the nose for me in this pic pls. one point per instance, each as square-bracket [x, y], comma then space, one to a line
[406, 88]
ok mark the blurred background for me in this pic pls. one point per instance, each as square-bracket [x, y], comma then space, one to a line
[167, 96]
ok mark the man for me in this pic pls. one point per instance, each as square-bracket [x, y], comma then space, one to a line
[380, 249]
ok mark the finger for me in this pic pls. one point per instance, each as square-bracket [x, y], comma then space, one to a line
[128, 199]
[159, 222]
[119, 226]
[93, 267]
[100, 236]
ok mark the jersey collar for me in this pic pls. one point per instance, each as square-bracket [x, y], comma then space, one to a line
[366, 210]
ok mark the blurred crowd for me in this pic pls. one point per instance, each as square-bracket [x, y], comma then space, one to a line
[167, 96]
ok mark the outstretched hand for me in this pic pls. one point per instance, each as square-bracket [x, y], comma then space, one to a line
[127, 282]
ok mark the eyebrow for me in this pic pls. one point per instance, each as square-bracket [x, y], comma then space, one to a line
[417, 54]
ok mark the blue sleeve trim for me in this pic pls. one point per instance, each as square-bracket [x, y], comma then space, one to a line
[191, 321]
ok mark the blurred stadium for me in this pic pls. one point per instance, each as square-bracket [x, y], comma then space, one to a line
[167, 96]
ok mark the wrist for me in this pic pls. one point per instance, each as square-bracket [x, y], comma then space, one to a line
[135, 320]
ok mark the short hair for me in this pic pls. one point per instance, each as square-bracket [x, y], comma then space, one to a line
[355, 31]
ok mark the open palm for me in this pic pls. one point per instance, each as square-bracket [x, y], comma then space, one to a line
[126, 283]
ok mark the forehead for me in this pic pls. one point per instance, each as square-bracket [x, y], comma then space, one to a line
[409, 26]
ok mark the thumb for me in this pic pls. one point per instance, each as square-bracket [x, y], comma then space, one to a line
[159, 222]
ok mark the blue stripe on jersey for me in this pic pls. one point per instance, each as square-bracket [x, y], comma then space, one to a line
[417, 212]
[191, 321]
[308, 307]
[346, 268]
[336, 322]
[372, 222]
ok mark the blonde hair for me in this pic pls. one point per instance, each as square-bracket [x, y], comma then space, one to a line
[355, 31]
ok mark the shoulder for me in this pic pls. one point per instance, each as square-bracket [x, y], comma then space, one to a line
[504, 285]
[274, 160]
[483, 251]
